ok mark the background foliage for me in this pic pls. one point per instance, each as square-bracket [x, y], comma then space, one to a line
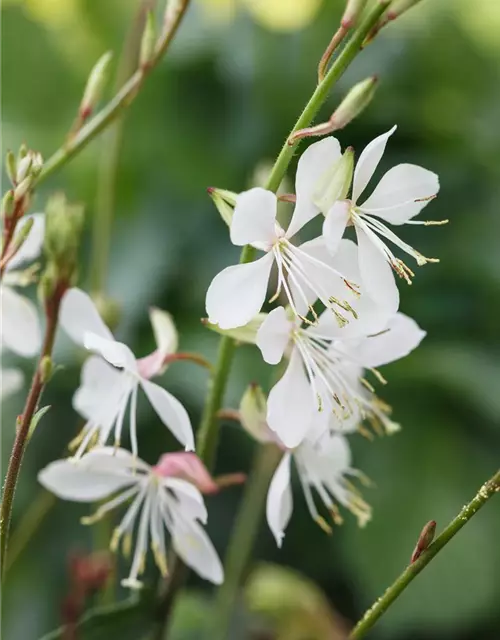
[224, 100]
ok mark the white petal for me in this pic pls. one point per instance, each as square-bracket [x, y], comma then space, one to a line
[11, 380]
[290, 408]
[20, 324]
[313, 163]
[274, 335]
[237, 293]
[100, 391]
[171, 413]
[254, 217]
[335, 224]
[195, 548]
[368, 162]
[189, 499]
[165, 332]
[279, 505]
[336, 451]
[399, 339]
[32, 246]
[402, 193]
[79, 316]
[71, 480]
[376, 274]
[116, 353]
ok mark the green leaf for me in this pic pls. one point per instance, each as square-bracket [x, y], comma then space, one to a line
[36, 419]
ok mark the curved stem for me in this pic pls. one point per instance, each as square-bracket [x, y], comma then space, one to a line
[208, 434]
[22, 431]
[243, 536]
[122, 99]
[488, 489]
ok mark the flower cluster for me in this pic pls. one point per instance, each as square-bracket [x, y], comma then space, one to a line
[339, 321]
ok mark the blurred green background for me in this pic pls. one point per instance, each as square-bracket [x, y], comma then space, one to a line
[222, 102]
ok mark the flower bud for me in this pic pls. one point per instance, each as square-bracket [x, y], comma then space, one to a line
[189, 467]
[46, 369]
[352, 12]
[23, 167]
[23, 188]
[294, 603]
[148, 41]
[253, 414]
[63, 228]
[397, 7]
[8, 204]
[225, 202]
[23, 150]
[20, 236]
[358, 98]
[95, 85]
[335, 183]
[10, 166]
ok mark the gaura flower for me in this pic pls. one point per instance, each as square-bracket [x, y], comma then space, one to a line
[11, 380]
[324, 371]
[238, 292]
[323, 465]
[159, 501]
[20, 322]
[111, 380]
[399, 196]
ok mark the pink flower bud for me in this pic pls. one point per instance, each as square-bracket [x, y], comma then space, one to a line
[189, 467]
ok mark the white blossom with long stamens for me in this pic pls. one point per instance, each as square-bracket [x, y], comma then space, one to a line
[399, 196]
[20, 331]
[111, 380]
[158, 501]
[324, 371]
[238, 292]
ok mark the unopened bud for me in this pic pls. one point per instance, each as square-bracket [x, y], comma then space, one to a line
[352, 12]
[335, 183]
[148, 41]
[64, 224]
[358, 98]
[8, 204]
[397, 7]
[253, 413]
[225, 202]
[95, 85]
[46, 368]
[23, 150]
[21, 236]
[22, 188]
[36, 165]
[23, 167]
[11, 166]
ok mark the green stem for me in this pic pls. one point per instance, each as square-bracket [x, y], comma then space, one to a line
[208, 434]
[114, 108]
[488, 489]
[243, 536]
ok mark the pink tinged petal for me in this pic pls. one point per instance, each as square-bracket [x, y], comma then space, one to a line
[334, 225]
[376, 274]
[189, 501]
[402, 193]
[189, 467]
[152, 365]
[20, 324]
[290, 408]
[400, 338]
[194, 546]
[32, 246]
[71, 480]
[368, 162]
[279, 505]
[237, 293]
[171, 413]
[11, 380]
[254, 217]
[313, 164]
[273, 335]
[116, 353]
[79, 316]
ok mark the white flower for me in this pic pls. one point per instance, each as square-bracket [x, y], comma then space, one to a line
[158, 502]
[20, 322]
[399, 196]
[11, 380]
[238, 292]
[323, 466]
[324, 371]
[111, 382]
